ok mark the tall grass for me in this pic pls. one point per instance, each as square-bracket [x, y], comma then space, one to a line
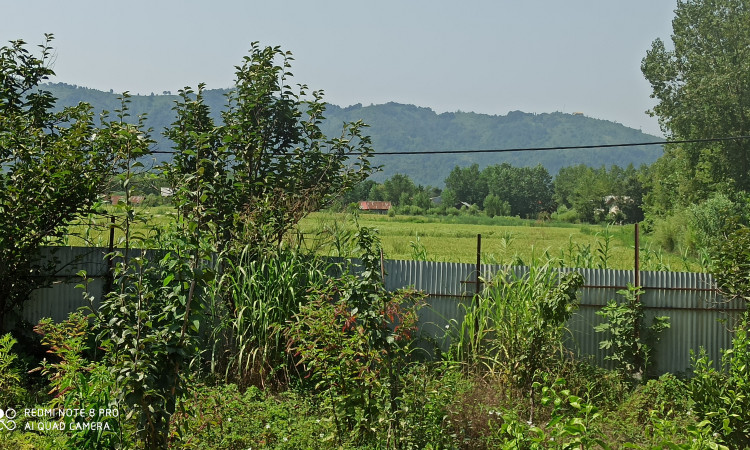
[515, 326]
[257, 294]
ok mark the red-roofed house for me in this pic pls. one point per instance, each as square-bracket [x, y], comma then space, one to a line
[378, 207]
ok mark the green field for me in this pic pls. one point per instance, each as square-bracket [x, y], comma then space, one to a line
[505, 240]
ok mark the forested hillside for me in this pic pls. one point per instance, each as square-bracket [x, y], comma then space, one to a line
[398, 127]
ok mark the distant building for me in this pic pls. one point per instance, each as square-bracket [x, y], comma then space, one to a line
[378, 207]
[166, 192]
[615, 203]
[134, 199]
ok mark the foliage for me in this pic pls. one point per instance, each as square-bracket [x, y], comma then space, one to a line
[732, 265]
[495, 206]
[592, 192]
[723, 398]
[11, 383]
[631, 343]
[709, 220]
[269, 164]
[467, 184]
[52, 166]
[352, 340]
[79, 384]
[527, 190]
[700, 86]
[514, 328]
[666, 397]
[224, 417]
[252, 302]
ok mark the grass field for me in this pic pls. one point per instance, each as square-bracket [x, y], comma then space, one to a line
[505, 240]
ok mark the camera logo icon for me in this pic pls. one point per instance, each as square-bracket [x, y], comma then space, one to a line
[6, 418]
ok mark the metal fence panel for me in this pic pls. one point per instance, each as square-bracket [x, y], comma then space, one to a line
[699, 317]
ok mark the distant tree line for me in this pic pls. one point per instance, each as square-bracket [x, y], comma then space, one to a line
[577, 194]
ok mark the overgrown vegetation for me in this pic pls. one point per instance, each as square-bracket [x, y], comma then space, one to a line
[219, 331]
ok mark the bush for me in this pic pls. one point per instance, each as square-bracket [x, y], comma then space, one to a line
[707, 220]
[223, 417]
[631, 343]
[665, 398]
[352, 341]
[723, 398]
[672, 232]
[495, 206]
[11, 385]
[563, 214]
[733, 265]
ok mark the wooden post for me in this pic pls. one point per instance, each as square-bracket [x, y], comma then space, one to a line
[637, 276]
[637, 273]
[479, 263]
[382, 266]
[110, 260]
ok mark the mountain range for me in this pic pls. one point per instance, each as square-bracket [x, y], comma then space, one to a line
[398, 127]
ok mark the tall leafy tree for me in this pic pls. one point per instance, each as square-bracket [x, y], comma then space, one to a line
[269, 163]
[467, 184]
[702, 86]
[399, 189]
[52, 166]
[528, 190]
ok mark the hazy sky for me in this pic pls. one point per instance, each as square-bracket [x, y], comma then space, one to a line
[483, 56]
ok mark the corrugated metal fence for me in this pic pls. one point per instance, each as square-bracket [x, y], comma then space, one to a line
[699, 316]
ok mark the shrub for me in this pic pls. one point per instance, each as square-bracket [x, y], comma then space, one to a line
[666, 397]
[733, 265]
[78, 383]
[563, 214]
[630, 341]
[495, 206]
[672, 232]
[352, 341]
[723, 398]
[224, 417]
[11, 388]
[707, 220]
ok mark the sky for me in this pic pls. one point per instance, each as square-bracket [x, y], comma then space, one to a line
[488, 56]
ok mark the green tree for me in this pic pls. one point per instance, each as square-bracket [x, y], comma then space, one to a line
[52, 166]
[358, 193]
[399, 189]
[269, 163]
[422, 198]
[495, 206]
[528, 190]
[702, 88]
[467, 184]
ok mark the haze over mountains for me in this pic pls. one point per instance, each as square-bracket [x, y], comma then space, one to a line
[398, 127]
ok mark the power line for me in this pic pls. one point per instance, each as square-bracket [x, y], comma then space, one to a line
[528, 149]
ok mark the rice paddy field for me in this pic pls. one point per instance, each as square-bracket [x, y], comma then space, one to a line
[505, 240]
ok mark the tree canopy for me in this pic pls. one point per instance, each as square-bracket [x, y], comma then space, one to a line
[702, 85]
[52, 166]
